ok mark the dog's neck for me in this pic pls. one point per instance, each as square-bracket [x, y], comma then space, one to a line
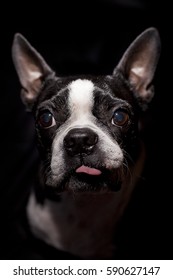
[82, 224]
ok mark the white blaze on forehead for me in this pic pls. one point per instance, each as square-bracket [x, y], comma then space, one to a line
[81, 96]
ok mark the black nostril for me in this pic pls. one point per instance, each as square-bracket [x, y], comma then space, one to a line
[80, 140]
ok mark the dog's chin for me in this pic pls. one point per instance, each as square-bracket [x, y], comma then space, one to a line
[103, 181]
[88, 183]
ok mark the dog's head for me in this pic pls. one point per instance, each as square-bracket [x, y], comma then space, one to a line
[87, 127]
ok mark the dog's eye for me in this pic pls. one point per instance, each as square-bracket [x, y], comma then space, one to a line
[120, 117]
[46, 120]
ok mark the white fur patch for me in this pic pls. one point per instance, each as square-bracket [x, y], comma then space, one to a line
[81, 97]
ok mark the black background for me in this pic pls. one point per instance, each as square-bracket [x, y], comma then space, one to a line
[86, 37]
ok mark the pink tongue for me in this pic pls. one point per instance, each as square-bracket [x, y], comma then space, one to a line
[88, 170]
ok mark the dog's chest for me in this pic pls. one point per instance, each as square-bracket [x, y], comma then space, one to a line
[82, 225]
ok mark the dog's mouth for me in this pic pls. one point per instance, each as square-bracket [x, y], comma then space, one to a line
[86, 177]
[93, 179]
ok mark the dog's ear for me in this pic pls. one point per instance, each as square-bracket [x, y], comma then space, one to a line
[31, 69]
[139, 62]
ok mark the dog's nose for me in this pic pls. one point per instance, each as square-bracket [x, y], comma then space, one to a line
[80, 141]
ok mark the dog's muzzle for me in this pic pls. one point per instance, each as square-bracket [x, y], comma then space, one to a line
[85, 161]
[80, 141]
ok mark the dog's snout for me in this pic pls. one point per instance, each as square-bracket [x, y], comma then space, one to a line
[80, 141]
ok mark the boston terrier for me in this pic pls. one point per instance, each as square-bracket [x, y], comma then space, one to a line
[88, 131]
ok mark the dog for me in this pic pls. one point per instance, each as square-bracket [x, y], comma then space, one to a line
[88, 131]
